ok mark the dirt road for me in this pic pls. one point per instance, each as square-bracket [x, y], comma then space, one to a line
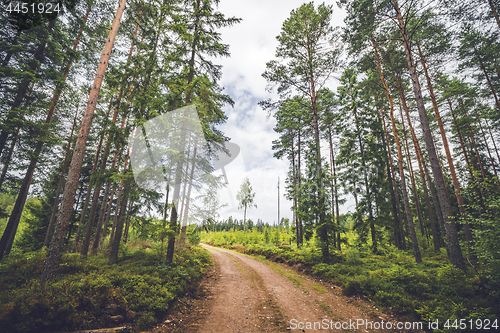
[242, 294]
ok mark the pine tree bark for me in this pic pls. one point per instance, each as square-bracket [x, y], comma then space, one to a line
[333, 190]
[410, 166]
[295, 194]
[413, 183]
[10, 231]
[97, 191]
[127, 225]
[57, 244]
[455, 252]
[115, 245]
[409, 218]
[174, 216]
[299, 178]
[8, 158]
[371, 221]
[494, 11]
[451, 165]
[108, 214]
[470, 166]
[339, 246]
[53, 104]
[399, 235]
[85, 207]
[425, 176]
[119, 198]
[59, 186]
[186, 185]
[100, 222]
[476, 151]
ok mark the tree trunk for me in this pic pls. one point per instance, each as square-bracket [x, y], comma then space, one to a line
[414, 185]
[97, 191]
[410, 166]
[455, 253]
[83, 213]
[127, 225]
[188, 198]
[487, 147]
[98, 231]
[8, 158]
[470, 166]
[110, 206]
[339, 246]
[494, 11]
[183, 203]
[425, 176]
[113, 254]
[119, 198]
[175, 201]
[10, 231]
[245, 217]
[295, 194]
[371, 221]
[59, 186]
[493, 140]
[322, 230]
[57, 244]
[193, 51]
[25, 84]
[409, 218]
[399, 235]
[334, 195]
[107, 214]
[456, 184]
[476, 151]
[299, 178]
[9, 54]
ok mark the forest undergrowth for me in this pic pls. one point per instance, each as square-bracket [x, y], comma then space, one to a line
[90, 294]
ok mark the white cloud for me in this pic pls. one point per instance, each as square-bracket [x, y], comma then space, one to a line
[252, 44]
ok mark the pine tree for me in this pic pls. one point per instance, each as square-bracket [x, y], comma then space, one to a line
[57, 244]
[307, 56]
[455, 253]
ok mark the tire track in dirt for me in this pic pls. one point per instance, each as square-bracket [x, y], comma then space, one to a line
[243, 294]
[234, 299]
[241, 302]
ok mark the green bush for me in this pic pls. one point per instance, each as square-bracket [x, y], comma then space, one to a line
[137, 286]
[193, 235]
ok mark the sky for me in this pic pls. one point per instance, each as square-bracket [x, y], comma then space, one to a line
[253, 43]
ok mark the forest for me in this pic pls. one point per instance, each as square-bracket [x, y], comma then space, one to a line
[396, 110]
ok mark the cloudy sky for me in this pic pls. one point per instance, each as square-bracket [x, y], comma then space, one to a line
[252, 44]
